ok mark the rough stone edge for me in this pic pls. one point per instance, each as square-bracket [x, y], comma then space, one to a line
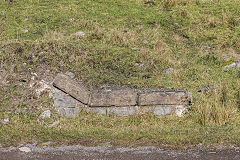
[89, 94]
[187, 95]
[158, 110]
[177, 109]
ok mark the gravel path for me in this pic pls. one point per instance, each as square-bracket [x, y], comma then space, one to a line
[109, 152]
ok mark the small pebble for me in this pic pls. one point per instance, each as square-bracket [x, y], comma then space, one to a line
[168, 70]
[25, 149]
[139, 64]
[80, 33]
[45, 114]
[5, 121]
[24, 30]
[145, 41]
[32, 83]
[139, 26]
[232, 65]
[205, 89]
[135, 48]
[35, 74]
[206, 46]
[54, 124]
[176, 24]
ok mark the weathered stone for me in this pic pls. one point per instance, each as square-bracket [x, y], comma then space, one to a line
[5, 121]
[207, 46]
[145, 109]
[54, 124]
[99, 110]
[80, 33]
[61, 99]
[76, 90]
[168, 70]
[45, 114]
[70, 74]
[25, 149]
[65, 105]
[156, 110]
[113, 96]
[68, 112]
[139, 26]
[139, 64]
[24, 30]
[145, 42]
[123, 111]
[164, 98]
[205, 89]
[162, 110]
[180, 110]
[42, 88]
[232, 65]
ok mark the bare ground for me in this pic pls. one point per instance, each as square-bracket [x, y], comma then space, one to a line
[110, 152]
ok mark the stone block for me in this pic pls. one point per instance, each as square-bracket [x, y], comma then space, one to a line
[164, 98]
[71, 87]
[162, 110]
[122, 111]
[68, 112]
[99, 110]
[145, 109]
[62, 99]
[113, 96]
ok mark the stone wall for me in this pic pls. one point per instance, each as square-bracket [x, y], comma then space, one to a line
[71, 97]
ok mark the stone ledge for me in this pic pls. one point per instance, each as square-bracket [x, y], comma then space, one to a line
[123, 111]
[159, 110]
[99, 110]
[113, 96]
[164, 98]
[113, 100]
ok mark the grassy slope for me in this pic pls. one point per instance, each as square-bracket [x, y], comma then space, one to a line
[171, 34]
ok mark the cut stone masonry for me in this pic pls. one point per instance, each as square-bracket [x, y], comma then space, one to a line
[164, 97]
[71, 97]
[113, 96]
[71, 87]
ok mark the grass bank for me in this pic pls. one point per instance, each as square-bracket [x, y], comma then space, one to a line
[128, 43]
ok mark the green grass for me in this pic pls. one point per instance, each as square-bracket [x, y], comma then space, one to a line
[171, 34]
[135, 130]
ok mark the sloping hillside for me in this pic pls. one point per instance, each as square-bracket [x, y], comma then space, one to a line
[171, 44]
